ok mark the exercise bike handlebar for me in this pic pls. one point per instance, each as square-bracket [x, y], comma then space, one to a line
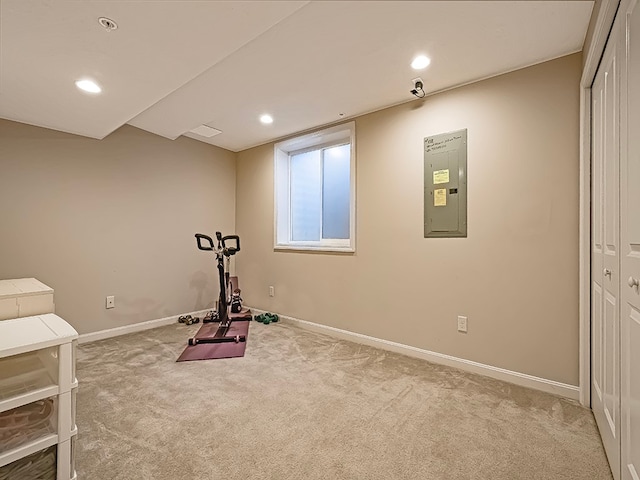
[227, 249]
[231, 250]
[200, 237]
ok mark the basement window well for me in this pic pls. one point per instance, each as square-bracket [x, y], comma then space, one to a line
[315, 191]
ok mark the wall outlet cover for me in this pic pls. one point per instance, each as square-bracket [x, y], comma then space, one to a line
[462, 324]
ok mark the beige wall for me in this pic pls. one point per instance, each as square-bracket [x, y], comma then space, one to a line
[515, 276]
[117, 216]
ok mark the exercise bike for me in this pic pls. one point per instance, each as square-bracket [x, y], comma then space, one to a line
[227, 246]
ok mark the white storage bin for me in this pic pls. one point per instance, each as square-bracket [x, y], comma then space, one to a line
[28, 424]
[24, 297]
[40, 465]
[31, 373]
[37, 398]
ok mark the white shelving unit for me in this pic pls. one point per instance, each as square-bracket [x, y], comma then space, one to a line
[24, 297]
[37, 398]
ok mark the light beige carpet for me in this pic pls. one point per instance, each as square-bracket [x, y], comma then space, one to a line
[301, 405]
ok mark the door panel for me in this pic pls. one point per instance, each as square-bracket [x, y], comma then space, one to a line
[605, 272]
[596, 340]
[630, 248]
[597, 324]
[611, 361]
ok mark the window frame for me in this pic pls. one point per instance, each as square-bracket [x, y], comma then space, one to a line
[321, 139]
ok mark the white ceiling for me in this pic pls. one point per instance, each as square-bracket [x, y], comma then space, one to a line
[172, 66]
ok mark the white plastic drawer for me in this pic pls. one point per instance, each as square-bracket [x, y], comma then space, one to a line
[28, 377]
[28, 424]
[38, 466]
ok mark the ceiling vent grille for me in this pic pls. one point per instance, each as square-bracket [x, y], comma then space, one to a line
[206, 131]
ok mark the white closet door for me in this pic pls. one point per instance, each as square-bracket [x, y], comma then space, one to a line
[630, 248]
[605, 274]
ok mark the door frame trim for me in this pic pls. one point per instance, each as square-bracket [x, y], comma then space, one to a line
[597, 36]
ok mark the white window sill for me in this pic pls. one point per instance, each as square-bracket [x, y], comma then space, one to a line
[314, 249]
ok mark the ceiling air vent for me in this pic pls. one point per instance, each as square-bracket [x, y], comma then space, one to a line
[206, 131]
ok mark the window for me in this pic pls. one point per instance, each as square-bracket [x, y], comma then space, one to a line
[315, 190]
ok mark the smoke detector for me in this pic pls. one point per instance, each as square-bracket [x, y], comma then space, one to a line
[108, 24]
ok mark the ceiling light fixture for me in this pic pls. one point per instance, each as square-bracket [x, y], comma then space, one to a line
[420, 62]
[88, 86]
[266, 119]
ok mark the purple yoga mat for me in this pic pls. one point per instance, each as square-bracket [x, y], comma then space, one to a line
[207, 351]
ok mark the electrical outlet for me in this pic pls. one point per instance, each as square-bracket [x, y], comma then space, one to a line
[111, 301]
[462, 324]
[272, 291]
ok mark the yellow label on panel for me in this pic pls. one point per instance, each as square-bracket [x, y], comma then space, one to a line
[440, 197]
[440, 176]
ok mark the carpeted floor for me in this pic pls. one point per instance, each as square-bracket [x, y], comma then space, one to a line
[301, 405]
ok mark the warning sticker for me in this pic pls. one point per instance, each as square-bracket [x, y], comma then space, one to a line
[440, 197]
[440, 176]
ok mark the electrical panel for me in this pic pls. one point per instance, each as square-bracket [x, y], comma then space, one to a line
[445, 185]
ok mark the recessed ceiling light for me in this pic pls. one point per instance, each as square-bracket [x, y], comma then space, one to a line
[266, 119]
[420, 62]
[88, 86]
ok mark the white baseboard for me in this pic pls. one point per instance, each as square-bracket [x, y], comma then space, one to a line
[136, 327]
[522, 379]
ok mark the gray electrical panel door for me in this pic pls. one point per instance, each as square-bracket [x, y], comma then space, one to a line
[445, 185]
